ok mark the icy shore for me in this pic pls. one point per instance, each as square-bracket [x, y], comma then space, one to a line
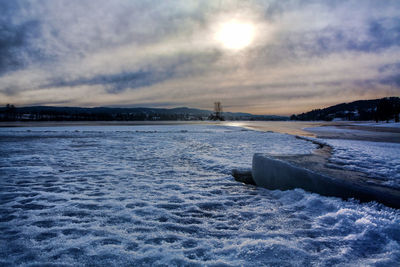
[163, 195]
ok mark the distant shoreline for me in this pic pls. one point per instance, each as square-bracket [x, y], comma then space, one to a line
[96, 123]
[349, 130]
[319, 129]
[354, 131]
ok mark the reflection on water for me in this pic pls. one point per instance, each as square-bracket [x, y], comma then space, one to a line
[288, 127]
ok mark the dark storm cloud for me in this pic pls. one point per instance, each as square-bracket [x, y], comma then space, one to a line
[382, 34]
[43, 31]
[178, 66]
[119, 81]
[393, 80]
[389, 67]
[379, 35]
[391, 75]
[15, 37]
[11, 40]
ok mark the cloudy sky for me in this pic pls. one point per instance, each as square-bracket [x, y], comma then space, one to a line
[264, 57]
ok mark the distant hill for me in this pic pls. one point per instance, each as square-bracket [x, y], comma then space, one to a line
[49, 113]
[362, 110]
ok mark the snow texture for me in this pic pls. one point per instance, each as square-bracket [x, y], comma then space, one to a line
[162, 195]
[381, 161]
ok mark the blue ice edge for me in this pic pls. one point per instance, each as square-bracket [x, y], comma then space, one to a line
[273, 173]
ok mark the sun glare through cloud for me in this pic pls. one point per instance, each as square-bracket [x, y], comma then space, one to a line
[235, 35]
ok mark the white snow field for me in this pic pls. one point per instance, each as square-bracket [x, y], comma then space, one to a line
[163, 195]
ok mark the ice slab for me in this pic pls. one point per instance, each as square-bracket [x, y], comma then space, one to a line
[274, 173]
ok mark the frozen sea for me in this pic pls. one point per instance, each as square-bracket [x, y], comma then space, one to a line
[163, 195]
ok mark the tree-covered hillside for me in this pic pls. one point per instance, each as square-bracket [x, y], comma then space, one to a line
[383, 109]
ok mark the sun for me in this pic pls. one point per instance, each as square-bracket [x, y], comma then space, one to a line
[235, 35]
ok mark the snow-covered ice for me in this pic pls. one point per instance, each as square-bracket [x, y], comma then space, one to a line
[162, 195]
[380, 124]
[377, 159]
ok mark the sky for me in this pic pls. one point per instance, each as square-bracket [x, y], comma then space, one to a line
[259, 56]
